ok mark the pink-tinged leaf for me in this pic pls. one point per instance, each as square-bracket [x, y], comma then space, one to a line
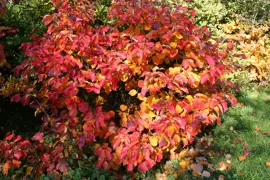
[210, 60]
[144, 91]
[45, 157]
[18, 138]
[47, 19]
[9, 136]
[25, 143]
[230, 45]
[246, 153]
[38, 136]
[143, 167]
[185, 63]
[81, 141]
[17, 154]
[62, 166]
[163, 142]
[16, 98]
[83, 107]
[204, 78]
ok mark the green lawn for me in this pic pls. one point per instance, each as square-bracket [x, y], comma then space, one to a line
[247, 125]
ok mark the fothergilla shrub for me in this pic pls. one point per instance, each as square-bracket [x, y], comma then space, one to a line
[138, 88]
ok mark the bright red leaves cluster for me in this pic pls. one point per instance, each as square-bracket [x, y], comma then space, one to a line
[171, 69]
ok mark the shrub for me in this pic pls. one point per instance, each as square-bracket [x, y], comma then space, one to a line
[253, 11]
[142, 86]
[253, 41]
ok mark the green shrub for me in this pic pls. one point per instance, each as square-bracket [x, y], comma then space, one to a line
[252, 10]
[26, 16]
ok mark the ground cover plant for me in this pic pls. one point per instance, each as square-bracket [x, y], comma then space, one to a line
[135, 87]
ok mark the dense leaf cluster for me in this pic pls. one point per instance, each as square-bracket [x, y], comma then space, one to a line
[142, 84]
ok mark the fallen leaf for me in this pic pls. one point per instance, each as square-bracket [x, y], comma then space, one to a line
[221, 177]
[267, 163]
[239, 174]
[228, 161]
[228, 156]
[206, 174]
[183, 154]
[266, 133]
[241, 158]
[197, 168]
[257, 128]
[222, 166]
[160, 176]
[238, 141]
[245, 145]
[183, 164]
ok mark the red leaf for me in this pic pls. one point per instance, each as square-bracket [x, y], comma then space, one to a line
[9, 136]
[18, 138]
[18, 154]
[16, 98]
[204, 78]
[143, 167]
[83, 107]
[210, 60]
[62, 166]
[47, 19]
[38, 136]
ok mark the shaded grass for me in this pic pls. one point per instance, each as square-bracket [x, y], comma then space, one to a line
[238, 129]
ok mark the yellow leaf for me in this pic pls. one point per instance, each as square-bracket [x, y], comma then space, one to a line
[189, 98]
[178, 35]
[28, 170]
[173, 45]
[123, 107]
[147, 27]
[183, 153]
[133, 92]
[100, 100]
[178, 109]
[183, 164]
[153, 140]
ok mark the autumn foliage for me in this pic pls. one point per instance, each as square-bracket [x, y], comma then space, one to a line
[142, 86]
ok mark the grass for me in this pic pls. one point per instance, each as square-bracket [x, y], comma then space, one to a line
[247, 124]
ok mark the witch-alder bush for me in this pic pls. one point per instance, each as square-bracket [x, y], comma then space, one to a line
[145, 85]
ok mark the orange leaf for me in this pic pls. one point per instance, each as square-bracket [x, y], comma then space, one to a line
[183, 164]
[267, 163]
[123, 107]
[157, 60]
[6, 168]
[241, 158]
[257, 128]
